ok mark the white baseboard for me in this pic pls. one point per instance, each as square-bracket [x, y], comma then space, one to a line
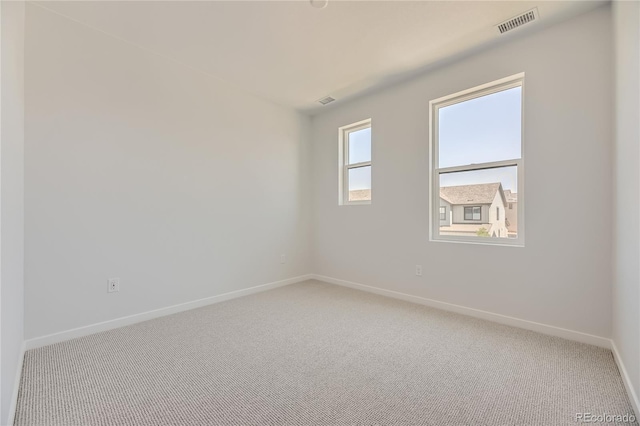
[577, 336]
[144, 316]
[16, 386]
[633, 396]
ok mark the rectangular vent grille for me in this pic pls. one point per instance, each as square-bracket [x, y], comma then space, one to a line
[518, 21]
[326, 100]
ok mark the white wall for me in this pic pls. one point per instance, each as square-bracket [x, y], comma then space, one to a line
[626, 287]
[563, 275]
[12, 190]
[140, 168]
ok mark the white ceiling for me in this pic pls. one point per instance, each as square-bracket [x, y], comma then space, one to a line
[294, 54]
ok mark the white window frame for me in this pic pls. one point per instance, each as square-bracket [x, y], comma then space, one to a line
[343, 162]
[435, 171]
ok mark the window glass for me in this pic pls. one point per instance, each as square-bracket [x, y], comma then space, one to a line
[360, 184]
[481, 130]
[360, 146]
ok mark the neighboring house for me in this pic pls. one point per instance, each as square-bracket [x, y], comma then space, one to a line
[511, 212]
[466, 209]
[360, 195]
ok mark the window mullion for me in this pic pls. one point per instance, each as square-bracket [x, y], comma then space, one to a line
[358, 165]
[479, 166]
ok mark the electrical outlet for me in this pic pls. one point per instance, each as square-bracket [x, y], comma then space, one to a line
[113, 285]
[283, 258]
[419, 270]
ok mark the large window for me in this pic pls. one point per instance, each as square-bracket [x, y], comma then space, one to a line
[477, 163]
[355, 163]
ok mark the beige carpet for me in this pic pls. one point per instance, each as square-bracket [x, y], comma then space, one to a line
[314, 353]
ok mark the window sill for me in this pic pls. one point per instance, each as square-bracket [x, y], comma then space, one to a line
[355, 203]
[502, 242]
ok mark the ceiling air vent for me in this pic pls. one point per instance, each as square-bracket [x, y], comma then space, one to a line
[518, 21]
[326, 100]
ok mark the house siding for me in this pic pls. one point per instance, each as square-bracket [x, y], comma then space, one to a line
[512, 217]
[497, 225]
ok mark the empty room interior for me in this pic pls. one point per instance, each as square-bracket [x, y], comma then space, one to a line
[316, 212]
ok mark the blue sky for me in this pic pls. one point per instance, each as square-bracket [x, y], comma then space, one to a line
[481, 130]
[360, 146]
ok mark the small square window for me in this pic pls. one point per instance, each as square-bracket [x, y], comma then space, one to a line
[472, 213]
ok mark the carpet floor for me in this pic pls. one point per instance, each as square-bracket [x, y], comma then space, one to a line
[314, 353]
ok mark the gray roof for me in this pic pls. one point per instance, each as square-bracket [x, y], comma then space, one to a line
[470, 194]
[511, 197]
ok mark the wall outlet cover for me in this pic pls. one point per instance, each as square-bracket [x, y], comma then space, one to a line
[113, 285]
